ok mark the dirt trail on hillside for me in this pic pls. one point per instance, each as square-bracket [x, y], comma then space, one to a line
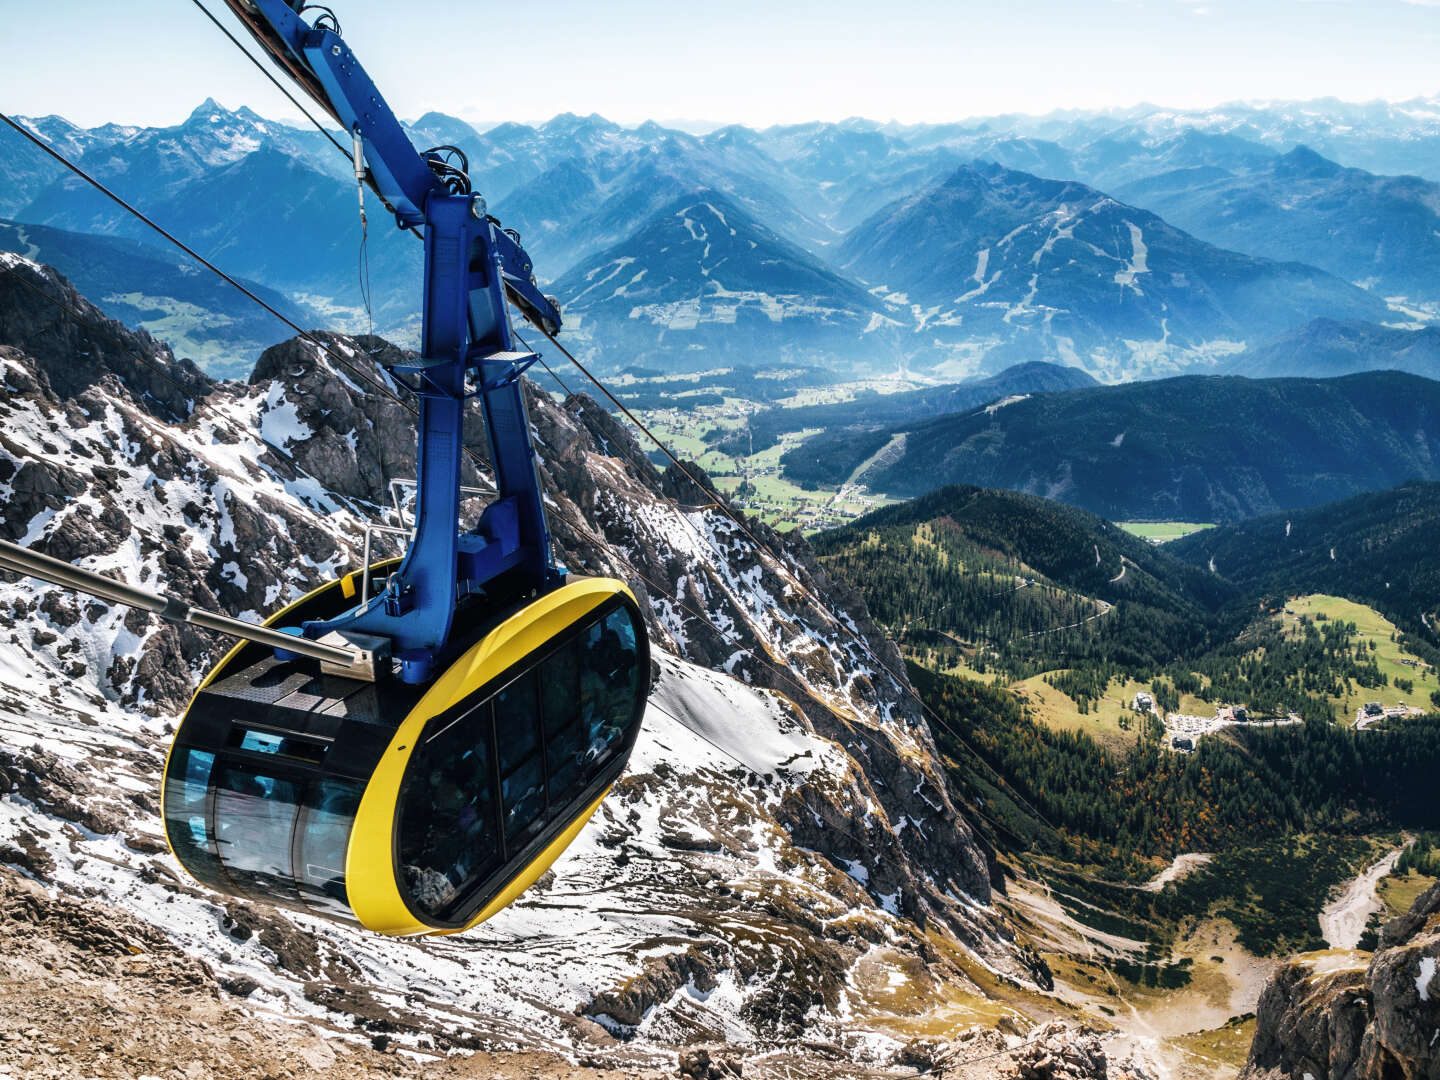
[1182, 866]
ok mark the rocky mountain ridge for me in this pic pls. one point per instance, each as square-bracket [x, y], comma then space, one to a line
[1372, 1018]
[782, 848]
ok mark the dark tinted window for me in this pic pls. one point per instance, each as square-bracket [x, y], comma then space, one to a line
[324, 836]
[468, 802]
[522, 769]
[255, 822]
[609, 680]
[187, 786]
[565, 741]
[448, 838]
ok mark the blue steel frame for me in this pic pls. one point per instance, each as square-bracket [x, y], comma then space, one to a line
[470, 266]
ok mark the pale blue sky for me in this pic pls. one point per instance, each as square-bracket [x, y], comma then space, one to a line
[749, 61]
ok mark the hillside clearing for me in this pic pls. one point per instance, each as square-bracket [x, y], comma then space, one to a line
[1374, 630]
[1161, 532]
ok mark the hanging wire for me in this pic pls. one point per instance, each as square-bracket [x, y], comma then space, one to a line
[364, 268]
[441, 160]
[326, 20]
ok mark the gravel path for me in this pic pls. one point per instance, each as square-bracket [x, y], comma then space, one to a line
[1344, 918]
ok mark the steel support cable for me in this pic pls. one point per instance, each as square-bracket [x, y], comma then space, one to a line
[785, 571]
[559, 381]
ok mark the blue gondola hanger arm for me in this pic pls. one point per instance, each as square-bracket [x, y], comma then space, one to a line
[471, 267]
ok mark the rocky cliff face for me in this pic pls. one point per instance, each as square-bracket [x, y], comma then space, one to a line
[782, 849]
[1379, 1021]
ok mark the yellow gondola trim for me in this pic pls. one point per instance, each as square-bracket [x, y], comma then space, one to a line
[212, 675]
[371, 884]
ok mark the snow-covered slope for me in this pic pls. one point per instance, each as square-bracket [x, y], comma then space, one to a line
[782, 843]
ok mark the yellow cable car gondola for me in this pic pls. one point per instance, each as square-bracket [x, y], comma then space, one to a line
[300, 788]
[415, 758]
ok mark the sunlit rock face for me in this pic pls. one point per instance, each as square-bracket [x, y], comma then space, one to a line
[782, 853]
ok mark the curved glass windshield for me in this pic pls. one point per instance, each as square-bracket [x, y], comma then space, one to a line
[488, 783]
[254, 820]
[187, 820]
[447, 813]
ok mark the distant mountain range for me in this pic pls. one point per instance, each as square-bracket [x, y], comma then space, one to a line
[701, 280]
[1193, 448]
[1380, 231]
[1327, 347]
[998, 262]
[901, 213]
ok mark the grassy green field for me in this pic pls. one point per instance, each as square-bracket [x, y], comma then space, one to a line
[771, 497]
[1111, 722]
[1373, 627]
[1399, 891]
[1160, 532]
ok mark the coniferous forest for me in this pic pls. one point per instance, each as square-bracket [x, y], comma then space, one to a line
[986, 588]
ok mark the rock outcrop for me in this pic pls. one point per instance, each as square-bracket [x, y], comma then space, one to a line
[1376, 1022]
[735, 879]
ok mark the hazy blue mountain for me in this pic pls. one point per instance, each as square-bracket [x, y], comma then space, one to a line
[162, 291]
[275, 202]
[25, 169]
[586, 204]
[998, 265]
[1327, 347]
[701, 284]
[143, 164]
[1114, 161]
[1379, 231]
[306, 243]
[1383, 137]
[1194, 448]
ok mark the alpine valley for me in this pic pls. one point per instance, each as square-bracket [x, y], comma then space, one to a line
[1043, 598]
